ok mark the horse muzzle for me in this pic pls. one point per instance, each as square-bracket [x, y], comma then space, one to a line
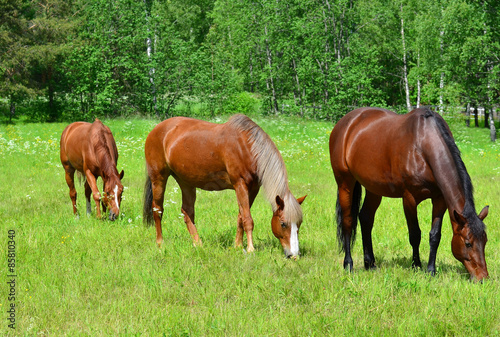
[291, 255]
[112, 216]
[479, 277]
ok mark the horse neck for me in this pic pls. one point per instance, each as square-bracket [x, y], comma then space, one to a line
[448, 180]
[453, 181]
[279, 187]
[107, 162]
[273, 177]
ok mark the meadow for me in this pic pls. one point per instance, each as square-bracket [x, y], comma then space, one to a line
[83, 276]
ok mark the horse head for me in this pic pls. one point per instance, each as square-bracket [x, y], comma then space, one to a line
[286, 227]
[112, 198]
[467, 246]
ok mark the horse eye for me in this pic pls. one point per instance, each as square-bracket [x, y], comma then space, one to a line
[468, 245]
[283, 225]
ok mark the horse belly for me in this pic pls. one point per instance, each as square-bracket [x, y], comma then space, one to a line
[378, 175]
[209, 181]
[384, 187]
[204, 169]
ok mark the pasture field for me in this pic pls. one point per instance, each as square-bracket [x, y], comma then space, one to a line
[95, 277]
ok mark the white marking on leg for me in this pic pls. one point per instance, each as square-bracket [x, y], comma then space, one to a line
[116, 197]
[294, 240]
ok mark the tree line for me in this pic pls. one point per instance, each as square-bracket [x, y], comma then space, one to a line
[75, 59]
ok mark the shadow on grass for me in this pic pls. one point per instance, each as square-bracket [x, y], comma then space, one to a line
[225, 239]
[406, 262]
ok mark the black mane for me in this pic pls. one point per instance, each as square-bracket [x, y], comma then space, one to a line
[469, 212]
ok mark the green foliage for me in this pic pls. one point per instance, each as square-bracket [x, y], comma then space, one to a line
[304, 57]
[243, 102]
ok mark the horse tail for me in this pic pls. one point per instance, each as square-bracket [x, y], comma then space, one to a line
[147, 213]
[356, 201]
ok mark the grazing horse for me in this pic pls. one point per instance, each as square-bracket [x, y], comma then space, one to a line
[90, 149]
[413, 157]
[236, 155]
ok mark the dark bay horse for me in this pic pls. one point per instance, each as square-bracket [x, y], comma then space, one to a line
[413, 157]
[90, 149]
[236, 155]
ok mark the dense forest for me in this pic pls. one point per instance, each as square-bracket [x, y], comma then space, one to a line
[75, 59]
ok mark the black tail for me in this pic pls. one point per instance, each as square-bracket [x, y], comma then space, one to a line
[356, 201]
[147, 213]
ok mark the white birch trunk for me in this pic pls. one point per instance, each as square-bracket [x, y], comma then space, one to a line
[152, 69]
[405, 68]
[271, 80]
[418, 80]
[441, 81]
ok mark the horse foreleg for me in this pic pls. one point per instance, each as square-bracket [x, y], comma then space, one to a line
[188, 200]
[102, 202]
[438, 210]
[238, 242]
[70, 175]
[91, 180]
[244, 217]
[366, 219]
[410, 209]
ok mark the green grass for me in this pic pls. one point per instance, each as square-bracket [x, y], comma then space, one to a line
[95, 277]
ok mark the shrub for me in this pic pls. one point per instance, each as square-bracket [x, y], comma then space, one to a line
[243, 102]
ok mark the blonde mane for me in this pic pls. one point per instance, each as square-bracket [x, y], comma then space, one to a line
[271, 168]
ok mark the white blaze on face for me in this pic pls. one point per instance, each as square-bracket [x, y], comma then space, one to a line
[294, 240]
[116, 197]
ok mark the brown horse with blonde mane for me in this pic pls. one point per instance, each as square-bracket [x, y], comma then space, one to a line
[90, 149]
[413, 157]
[236, 155]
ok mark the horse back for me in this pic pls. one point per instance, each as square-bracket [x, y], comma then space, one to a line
[384, 151]
[199, 153]
[80, 142]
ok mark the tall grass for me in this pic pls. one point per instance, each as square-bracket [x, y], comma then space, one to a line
[95, 277]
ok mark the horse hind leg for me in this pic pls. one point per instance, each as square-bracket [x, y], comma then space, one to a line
[188, 200]
[348, 199]
[366, 219]
[70, 180]
[158, 195]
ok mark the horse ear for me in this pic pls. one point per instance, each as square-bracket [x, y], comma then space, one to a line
[459, 218]
[301, 200]
[280, 203]
[484, 213]
[122, 174]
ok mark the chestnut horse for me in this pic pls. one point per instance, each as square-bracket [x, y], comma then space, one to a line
[236, 155]
[413, 157]
[90, 149]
